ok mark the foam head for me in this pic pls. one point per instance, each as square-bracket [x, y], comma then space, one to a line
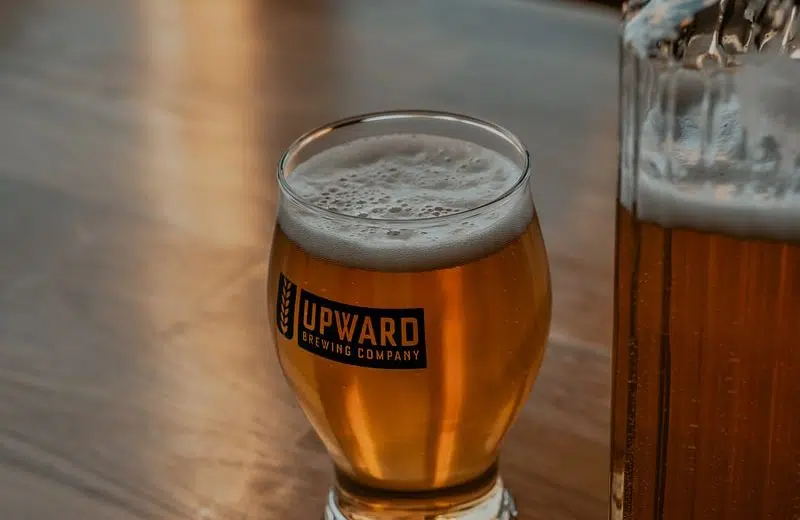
[414, 198]
[718, 163]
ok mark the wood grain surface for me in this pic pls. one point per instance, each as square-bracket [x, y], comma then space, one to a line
[138, 141]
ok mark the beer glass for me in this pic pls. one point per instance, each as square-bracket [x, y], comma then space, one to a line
[409, 296]
[706, 388]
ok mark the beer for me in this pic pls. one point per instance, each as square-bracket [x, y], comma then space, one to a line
[707, 354]
[410, 325]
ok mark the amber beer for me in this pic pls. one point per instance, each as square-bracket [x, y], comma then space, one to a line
[444, 390]
[410, 331]
[706, 396]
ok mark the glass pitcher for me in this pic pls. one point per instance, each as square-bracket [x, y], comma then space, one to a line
[706, 383]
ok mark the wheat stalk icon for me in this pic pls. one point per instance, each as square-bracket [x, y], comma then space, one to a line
[286, 292]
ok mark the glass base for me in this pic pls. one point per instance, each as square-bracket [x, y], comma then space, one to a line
[497, 504]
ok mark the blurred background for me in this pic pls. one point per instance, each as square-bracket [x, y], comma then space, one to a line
[138, 140]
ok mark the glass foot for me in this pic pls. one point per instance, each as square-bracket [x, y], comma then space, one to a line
[497, 504]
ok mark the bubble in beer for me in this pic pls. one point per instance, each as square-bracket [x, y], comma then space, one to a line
[401, 185]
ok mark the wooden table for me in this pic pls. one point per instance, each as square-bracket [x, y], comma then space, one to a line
[137, 147]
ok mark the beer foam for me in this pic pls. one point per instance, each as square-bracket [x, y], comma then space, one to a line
[727, 208]
[391, 182]
[740, 177]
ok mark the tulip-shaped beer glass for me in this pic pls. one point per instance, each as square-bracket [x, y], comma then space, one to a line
[409, 297]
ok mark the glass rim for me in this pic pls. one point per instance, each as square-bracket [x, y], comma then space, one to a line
[319, 132]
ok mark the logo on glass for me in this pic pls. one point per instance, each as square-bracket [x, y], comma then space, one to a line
[349, 334]
[287, 291]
